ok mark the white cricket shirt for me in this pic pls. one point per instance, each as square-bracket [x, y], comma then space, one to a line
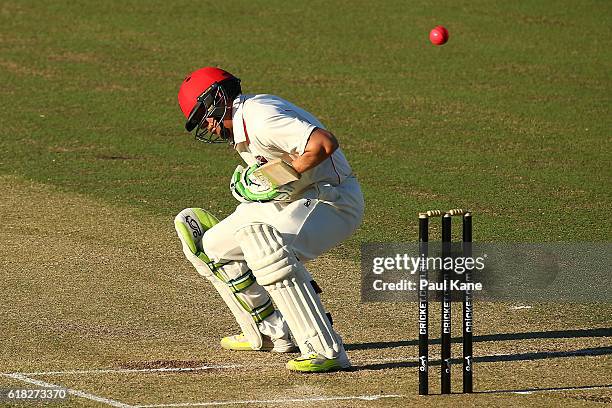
[272, 128]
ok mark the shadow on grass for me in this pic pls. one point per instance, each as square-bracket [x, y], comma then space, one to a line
[555, 334]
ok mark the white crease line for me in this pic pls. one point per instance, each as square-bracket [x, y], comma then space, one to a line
[77, 393]
[134, 370]
[204, 368]
[188, 369]
[357, 363]
[273, 401]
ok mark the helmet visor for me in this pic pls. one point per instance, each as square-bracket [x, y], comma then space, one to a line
[212, 103]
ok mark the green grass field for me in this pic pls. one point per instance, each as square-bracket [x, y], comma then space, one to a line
[511, 118]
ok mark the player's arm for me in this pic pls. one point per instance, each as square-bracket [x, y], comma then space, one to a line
[320, 146]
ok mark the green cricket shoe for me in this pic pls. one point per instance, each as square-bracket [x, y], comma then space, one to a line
[239, 342]
[316, 363]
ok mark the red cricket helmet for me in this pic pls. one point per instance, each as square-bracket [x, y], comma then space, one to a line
[205, 94]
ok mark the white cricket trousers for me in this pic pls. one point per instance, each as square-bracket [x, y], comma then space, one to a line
[311, 225]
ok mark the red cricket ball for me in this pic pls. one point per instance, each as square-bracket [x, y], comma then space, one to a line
[439, 35]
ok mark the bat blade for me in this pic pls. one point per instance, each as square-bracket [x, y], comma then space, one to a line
[277, 173]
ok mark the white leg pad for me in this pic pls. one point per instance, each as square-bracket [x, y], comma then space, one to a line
[289, 284]
[249, 303]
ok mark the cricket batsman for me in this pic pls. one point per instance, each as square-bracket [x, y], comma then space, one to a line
[297, 199]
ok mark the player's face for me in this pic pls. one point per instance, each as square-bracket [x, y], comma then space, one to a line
[225, 132]
[213, 126]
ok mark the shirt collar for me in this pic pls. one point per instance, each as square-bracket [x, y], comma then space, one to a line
[238, 120]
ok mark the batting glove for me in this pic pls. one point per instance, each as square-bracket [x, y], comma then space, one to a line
[246, 187]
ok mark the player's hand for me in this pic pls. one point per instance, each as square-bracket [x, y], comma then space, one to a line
[246, 187]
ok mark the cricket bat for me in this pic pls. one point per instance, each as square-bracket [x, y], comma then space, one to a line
[277, 173]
